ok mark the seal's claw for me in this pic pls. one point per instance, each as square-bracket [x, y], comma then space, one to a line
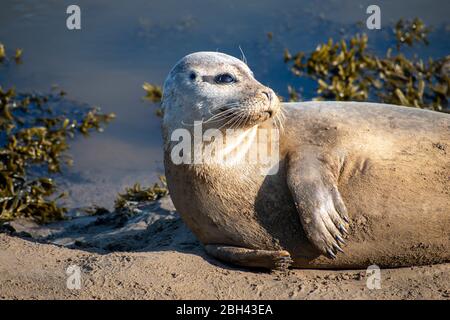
[343, 229]
[283, 263]
[324, 219]
[339, 239]
[268, 259]
[322, 211]
[336, 247]
[326, 230]
[331, 254]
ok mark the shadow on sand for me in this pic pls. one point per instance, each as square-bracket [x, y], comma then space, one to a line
[153, 226]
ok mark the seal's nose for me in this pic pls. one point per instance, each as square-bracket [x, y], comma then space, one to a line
[268, 94]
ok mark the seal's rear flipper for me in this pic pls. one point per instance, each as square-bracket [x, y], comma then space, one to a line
[322, 211]
[279, 260]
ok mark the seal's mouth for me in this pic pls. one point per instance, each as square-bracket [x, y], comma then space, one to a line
[240, 117]
[253, 110]
[269, 113]
[266, 114]
[263, 116]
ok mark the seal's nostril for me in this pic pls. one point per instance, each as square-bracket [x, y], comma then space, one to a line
[268, 95]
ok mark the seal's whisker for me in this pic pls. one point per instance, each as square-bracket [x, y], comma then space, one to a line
[282, 113]
[236, 119]
[225, 107]
[247, 118]
[278, 123]
[224, 117]
[222, 114]
[281, 124]
[243, 58]
[281, 117]
[226, 123]
[275, 122]
[229, 120]
[240, 119]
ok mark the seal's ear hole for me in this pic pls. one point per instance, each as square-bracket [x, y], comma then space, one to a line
[192, 76]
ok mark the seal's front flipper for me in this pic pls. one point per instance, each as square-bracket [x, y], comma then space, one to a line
[279, 260]
[312, 180]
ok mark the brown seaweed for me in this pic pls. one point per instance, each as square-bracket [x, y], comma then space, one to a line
[33, 137]
[346, 70]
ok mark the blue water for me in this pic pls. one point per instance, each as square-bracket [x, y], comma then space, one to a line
[122, 44]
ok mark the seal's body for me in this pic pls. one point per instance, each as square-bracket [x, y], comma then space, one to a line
[372, 179]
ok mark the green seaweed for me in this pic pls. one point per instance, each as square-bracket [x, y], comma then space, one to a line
[138, 194]
[409, 32]
[2, 52]
[34, 140]
[346, 70]
[18, 56]
[154, 94]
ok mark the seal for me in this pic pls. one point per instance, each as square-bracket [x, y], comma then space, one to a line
[369, 179]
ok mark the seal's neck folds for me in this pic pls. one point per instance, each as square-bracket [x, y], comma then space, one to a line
[235, 147]
[253, 146]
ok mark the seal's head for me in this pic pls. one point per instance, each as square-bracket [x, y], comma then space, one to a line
[217, 89]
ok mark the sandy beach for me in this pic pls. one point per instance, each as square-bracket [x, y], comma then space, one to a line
[148, 253]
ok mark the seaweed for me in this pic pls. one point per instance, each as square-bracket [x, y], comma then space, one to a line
[410, 32]
[2, 52]
[34, 140]
[346, 70]
[138, 194]
[154, 94]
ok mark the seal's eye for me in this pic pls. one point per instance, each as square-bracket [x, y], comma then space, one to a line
[192, 76]
[224, 78]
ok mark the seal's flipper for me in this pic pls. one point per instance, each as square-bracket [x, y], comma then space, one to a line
[322, 211]
[279, 260]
